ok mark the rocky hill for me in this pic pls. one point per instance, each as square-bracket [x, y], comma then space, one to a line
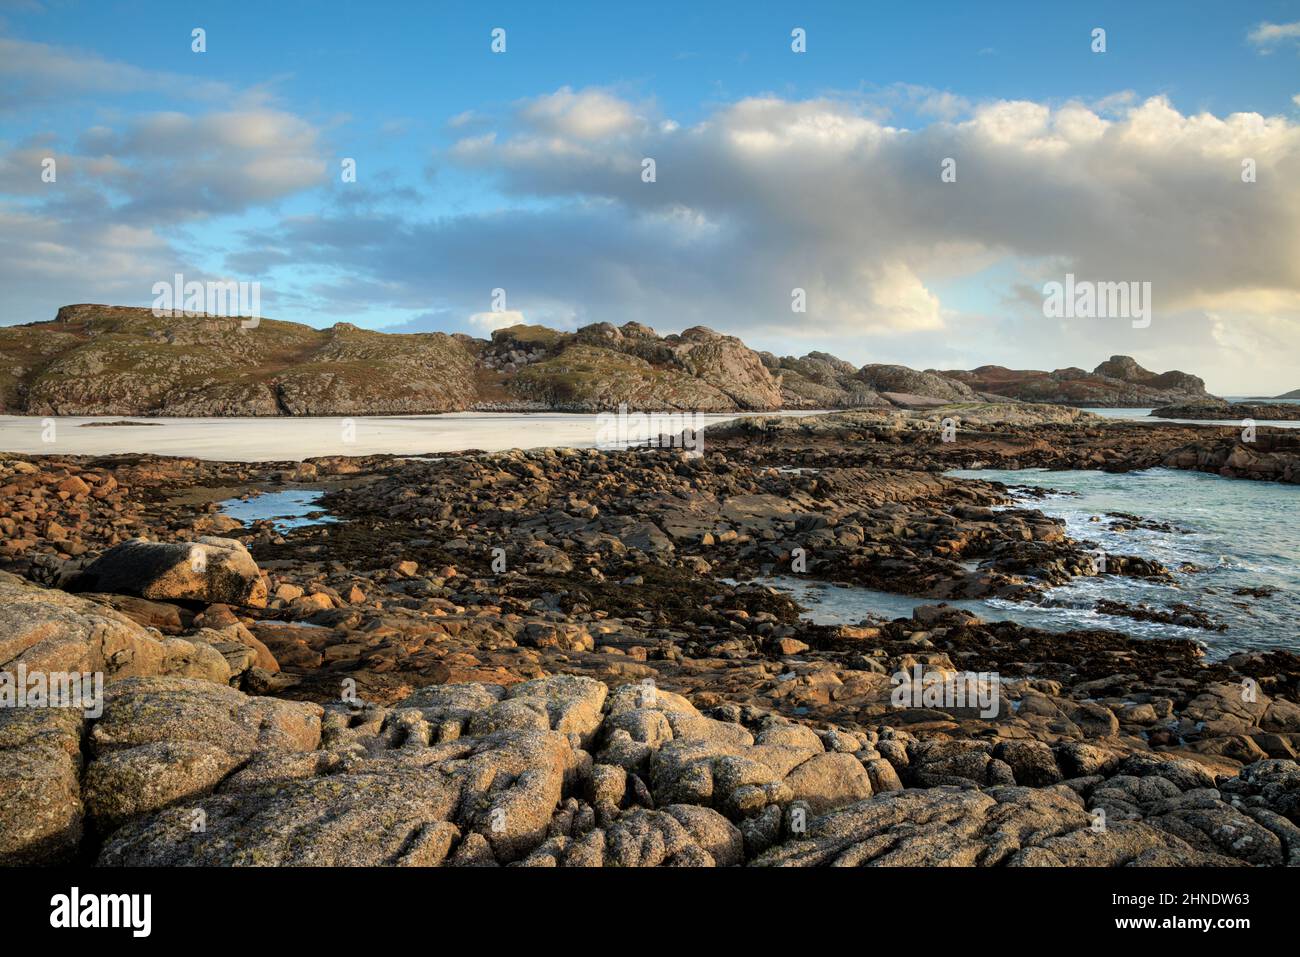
[104, 360]
[1117, 382]
[115, 360]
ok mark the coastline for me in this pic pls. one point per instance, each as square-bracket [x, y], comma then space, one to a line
[520, 606]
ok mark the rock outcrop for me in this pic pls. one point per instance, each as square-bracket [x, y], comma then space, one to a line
[559, 771]
[903, 381]
[1119, 382]
[602, 366]
[126, 361]
[821, 381]
[51, 635]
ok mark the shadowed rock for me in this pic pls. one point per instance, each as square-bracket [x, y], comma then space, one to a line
[208, 570]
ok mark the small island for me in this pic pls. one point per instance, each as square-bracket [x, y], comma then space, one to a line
[1260, 412]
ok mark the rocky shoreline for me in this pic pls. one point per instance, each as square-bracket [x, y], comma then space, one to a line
[537, 658]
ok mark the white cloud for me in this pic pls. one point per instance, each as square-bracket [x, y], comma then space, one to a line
[815, 194]
[586, 115]
[183, 165]
[107, 227]
[488, 321]
[38, 72]
[1268, 36]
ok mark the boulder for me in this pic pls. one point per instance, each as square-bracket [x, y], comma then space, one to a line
[827, 781]
[48, 630]
[140, 711]
[124, 784]
[208, 569]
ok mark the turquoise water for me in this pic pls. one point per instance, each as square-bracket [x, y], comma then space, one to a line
[1228, 535]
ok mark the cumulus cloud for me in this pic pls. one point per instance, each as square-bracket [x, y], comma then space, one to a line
[767, 195]
[161, 164]
[585, 115]
[179, 166]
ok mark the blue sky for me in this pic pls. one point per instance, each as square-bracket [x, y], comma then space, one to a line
[518, 170]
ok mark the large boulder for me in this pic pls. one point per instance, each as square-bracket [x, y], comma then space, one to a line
[161, 740]
[209, 570]
[47, 630]
[49, 633]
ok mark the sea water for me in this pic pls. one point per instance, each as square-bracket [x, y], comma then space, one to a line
[1226, 535]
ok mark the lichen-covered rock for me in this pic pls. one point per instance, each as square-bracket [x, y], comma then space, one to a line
[123, 784]
[181, 771]
[47, 630]
[140, 711]
[40, 797]
[945, 826]
[363, 819]
[827, 781]
[678, 836]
